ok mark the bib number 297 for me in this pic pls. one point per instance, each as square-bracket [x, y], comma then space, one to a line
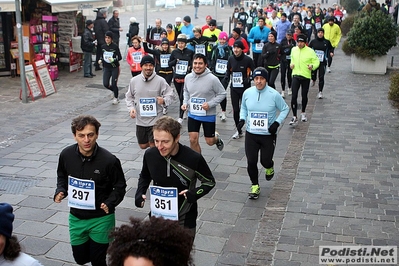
[80, 195]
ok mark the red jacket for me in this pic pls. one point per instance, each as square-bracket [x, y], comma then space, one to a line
[246, 47]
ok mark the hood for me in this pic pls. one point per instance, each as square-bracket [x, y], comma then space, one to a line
[150, 78]
[206, 72]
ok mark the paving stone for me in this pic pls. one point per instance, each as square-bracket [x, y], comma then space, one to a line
[216, 229]
[34, 229]
[37, 246]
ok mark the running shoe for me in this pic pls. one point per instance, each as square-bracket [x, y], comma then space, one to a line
[293, 121]
[180, 120]
[303, 117]
[320, 95]
[289, 91]
[255, 192]
[237, 135]
[115, 101]
[223, 116]
[269, 173]
[164, 110]
[219, 143]
[328, 70]
[283, 94]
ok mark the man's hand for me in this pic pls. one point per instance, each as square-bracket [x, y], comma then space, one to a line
[133, 113]
[99, 62]
[205, 106]
[184, 107]
[59, 197]
[104, 207]
[292, 66]
[160, 100]
[273, 128]
[183, 192]
[144, 198]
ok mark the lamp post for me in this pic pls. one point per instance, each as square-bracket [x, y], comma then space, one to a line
[21, 51]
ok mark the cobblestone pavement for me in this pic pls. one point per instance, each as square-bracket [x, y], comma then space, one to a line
[336, 176]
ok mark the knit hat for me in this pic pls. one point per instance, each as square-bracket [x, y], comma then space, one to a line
[147, 59]
[165, 41]
[239, 44]
[320, 29]
[331, 19]
[223, 36]
[208, 17]
[89, 22]
[132, 20]
[212, 22]
[301, 38]
[6, 219]
[237, 30]
[289, 32]
[109, 34]
[274, 34]
[260, 72]
[187, 19]
[178, 19]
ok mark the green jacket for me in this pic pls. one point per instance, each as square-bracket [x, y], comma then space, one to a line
[301, 58]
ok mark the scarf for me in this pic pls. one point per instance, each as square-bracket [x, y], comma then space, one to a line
[221, 50]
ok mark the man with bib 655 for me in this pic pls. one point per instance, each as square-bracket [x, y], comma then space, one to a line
[92, 180]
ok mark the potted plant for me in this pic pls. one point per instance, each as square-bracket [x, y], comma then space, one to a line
[370, 38]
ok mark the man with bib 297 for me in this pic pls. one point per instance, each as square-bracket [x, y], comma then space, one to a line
[259, 108]
[171, 165]
[92, 180]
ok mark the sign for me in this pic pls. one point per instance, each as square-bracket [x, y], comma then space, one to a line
[164, 202]
[81, 193]
[31, 81]
[44, 78]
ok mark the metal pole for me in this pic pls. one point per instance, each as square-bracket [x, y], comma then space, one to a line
[21, 51]
[216, 10]
[145, 18]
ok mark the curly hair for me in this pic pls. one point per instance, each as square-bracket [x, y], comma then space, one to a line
[79, 123]
[12, 248]
[162, 241]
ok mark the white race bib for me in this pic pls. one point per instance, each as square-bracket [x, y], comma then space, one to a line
[148, 106]
[237, 80]
[258, 122]
[181, 67]
[137, 57]
[320, 55]
[318, 25]
[81, 193]
[196, 106]
[200, 49]
[164, 202]
[164, 60]
[107, 56]
[221, 66]
[259, 46]
[157, 36]
[308, 26]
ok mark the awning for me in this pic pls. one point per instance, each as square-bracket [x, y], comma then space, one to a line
[7, 6]
[74, 5]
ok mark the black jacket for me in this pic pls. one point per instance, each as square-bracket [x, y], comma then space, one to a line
[100, 28]
[133, 31]
[116, 55]
[103, 168]
[86, 43]
[174, 172]
[157, 57]
[286, 47]
[242, 64]
[114, 25]
[186, 55]
[322, 48]
[271, 53]
[215, 55]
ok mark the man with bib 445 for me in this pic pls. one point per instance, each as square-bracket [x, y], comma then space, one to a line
[92, 180]
[259, 108]
[171, 165]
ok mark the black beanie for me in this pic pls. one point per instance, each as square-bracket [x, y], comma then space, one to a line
[147, 60]
[187, 19]
[239, 44]
[238, 30]
[274, 34]
[165, 41]
[109, 34]
[6, 219]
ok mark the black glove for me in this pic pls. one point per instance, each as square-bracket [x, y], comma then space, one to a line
[257, 41]
[149, 30]
[240, 125]
[273, 128]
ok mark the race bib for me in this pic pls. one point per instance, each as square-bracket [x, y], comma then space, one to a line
[107, 56]
[164, 202]
[181, 67]
[258, 122]
[318, 25]
[308, 26]
[157, 36]
[164, 60]
[81, 193]
[137, 57]
[196, 106]
[259, 46]
[237, 80]
[200, 49]
[320, 55]
[211, 45]
[148, 106]
[288, 57]
[221, 66]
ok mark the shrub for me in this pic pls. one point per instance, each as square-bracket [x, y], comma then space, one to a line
[393, 93]
[347, 24]
[372, 34]
[351, 6]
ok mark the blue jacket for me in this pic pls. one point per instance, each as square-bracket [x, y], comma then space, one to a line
[281, 29]
[188, 30]
[267, 100]
[257, 34]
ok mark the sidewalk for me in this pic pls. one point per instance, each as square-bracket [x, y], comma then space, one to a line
[336, 176]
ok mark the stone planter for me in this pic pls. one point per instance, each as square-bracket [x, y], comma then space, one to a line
[367, 66]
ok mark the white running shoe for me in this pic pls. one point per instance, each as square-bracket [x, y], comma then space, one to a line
[223, 117]
[115, 101]
[289, 91]
[303, 117]
[180, 120]
[293, 121]
[164, 110]
[283, 94]
[185, 115]
[320, 95]
[328, 70]
[236, 135]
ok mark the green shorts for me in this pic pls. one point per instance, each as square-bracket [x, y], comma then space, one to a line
[97, 229]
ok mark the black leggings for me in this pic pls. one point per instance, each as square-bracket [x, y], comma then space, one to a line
[167, 77]
[322, 71]
[286, 71]
[236, 96]
[179, 88]
[273, 73]
[90, 251]
[112, 73]
[304, 84]
[223, 103]
[253, 144]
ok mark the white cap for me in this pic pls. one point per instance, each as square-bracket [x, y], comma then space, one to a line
[254, 5]
[178, 19]
[132, 20]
